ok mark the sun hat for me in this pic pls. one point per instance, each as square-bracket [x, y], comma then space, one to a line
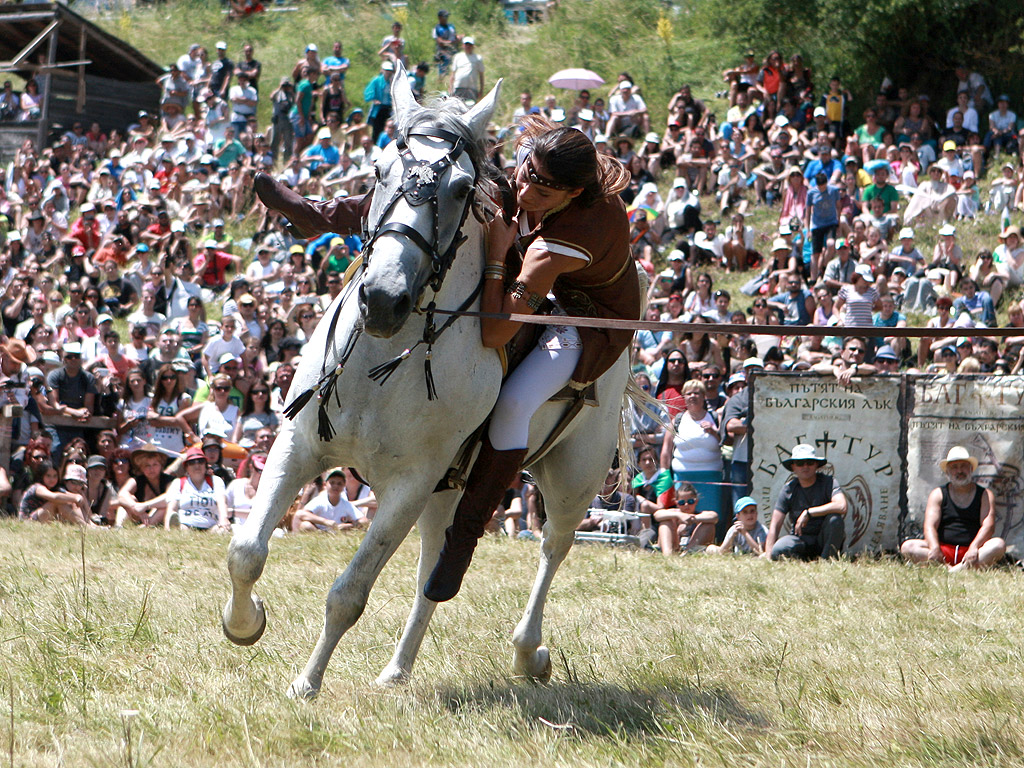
[194, 453]
[907, 233]
[947, 230]
[586, 114]
[784, 229]
[736, 378]
[147, 449]
[1014, 230]
[803, 452]
[753, 362]
[19, 350]
[72, 348]
[742, 504]
[678, 182]
[886, 352]
[780, 244]
[76, 472]
[864, 271]
[958, 453]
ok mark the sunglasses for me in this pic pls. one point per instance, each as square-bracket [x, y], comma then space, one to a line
[675, 360]
[195, 461]
[711, 376]
[221, 388]
[120, 461]
[804, 463]
[686, 502]
[170, 377]
[306, 317]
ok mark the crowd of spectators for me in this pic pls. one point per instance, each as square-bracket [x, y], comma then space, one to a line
[117, 242]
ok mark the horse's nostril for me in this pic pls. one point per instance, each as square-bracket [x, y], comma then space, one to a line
[403, 306]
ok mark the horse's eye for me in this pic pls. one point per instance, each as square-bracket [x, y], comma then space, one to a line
[376, 170]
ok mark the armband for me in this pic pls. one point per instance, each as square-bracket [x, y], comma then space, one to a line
[518, 290]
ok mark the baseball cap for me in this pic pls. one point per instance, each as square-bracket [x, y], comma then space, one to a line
[819, 112]
[468, 41]
[625, 84]
[742, 504]
[949, 146]
[387, 66]
[886, 352]
[907, 233]
[221, 45]
[864, 271]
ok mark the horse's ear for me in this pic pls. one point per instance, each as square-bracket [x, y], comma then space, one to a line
[478, 117]
[401, 90]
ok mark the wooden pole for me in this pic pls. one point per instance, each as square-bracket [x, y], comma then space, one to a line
[44, 120]
[80, 98]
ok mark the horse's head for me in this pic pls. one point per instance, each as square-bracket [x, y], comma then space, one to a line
[426, 179]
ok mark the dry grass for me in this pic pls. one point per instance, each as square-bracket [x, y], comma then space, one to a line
[692, 661]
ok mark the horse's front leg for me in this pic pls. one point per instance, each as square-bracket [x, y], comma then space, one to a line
[346, 600]
[435, 518]
[288, 467]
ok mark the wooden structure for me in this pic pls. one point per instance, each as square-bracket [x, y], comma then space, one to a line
[86, 74]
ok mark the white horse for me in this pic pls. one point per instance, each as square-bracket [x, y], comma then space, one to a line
[398, 439]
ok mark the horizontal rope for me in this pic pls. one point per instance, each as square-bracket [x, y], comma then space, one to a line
[740, 329]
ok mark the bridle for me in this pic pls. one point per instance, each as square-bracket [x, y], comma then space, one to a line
[420, 182]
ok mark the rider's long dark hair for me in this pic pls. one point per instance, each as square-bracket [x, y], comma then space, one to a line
[570, 158]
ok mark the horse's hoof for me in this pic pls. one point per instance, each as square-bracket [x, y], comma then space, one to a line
[253, 638]
[536, 667]
[301, 688]
[392, 677]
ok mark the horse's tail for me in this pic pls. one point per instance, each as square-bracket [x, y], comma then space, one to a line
[635, 396]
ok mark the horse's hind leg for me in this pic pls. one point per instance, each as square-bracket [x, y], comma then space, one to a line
[346, 600]
[288, 468]
[435, 518]
[568, 477]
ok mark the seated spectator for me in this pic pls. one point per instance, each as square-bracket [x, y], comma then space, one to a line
[628, 112]
[218, 414]
[99, 493]
[46, 502]
[1009, 255]
[681, 525]
[651, 484]
[197, 501]
[978, 304]
[329, 510]
[815, 506]
[142, 498]
[959, 520]
[240, 492]
[612, 510]
[746, 536]
[934, 197]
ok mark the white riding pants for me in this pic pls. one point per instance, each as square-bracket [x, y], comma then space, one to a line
[543, 372]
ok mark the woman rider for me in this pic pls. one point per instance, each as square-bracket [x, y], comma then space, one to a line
[572, 236]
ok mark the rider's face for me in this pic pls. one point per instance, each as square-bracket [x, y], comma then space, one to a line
[537, 197]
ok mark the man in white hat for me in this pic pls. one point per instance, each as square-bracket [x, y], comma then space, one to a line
[959, 520]
[814, 504]
[628, 111]
[467, 78]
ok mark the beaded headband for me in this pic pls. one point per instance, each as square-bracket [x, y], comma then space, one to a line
[536, 178]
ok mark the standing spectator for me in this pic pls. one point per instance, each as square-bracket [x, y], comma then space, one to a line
[814, 504]
[282, 135]
[377, 95]
[467, 78]
[445, 42]
[336, 64]
[72, 392]
[221, 72]
[691, 448]
[301, 115]
[244, 100]
[250, 66]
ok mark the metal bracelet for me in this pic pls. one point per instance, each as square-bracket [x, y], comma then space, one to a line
[494, 273]
[519, 290]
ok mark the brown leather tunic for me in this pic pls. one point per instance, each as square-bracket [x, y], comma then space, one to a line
[608, 287]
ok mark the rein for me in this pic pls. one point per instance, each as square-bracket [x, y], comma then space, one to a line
[420, 181]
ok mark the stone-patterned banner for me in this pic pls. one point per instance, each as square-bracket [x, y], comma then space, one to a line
[857, 428]
[985, 414]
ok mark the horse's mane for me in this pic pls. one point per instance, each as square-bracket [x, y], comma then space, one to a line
[446, 113]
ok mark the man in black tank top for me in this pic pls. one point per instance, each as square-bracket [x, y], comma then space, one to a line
[959, 520]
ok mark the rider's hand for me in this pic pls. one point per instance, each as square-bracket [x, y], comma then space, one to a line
[500, 237]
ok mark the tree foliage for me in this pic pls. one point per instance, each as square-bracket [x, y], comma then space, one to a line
[916, 43]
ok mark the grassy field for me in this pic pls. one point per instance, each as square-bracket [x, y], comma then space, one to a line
[689, 661]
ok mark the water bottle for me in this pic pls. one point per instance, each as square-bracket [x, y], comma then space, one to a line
[1005, 218]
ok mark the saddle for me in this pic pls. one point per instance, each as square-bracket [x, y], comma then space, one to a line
[512, 354]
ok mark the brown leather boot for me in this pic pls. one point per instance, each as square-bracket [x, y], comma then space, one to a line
[492, 473]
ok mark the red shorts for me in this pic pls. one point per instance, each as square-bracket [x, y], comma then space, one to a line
[953, 553]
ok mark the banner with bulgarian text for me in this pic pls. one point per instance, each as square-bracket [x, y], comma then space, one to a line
[985, 415]
[856, 427]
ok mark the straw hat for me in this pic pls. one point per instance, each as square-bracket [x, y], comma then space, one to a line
[958, 453]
